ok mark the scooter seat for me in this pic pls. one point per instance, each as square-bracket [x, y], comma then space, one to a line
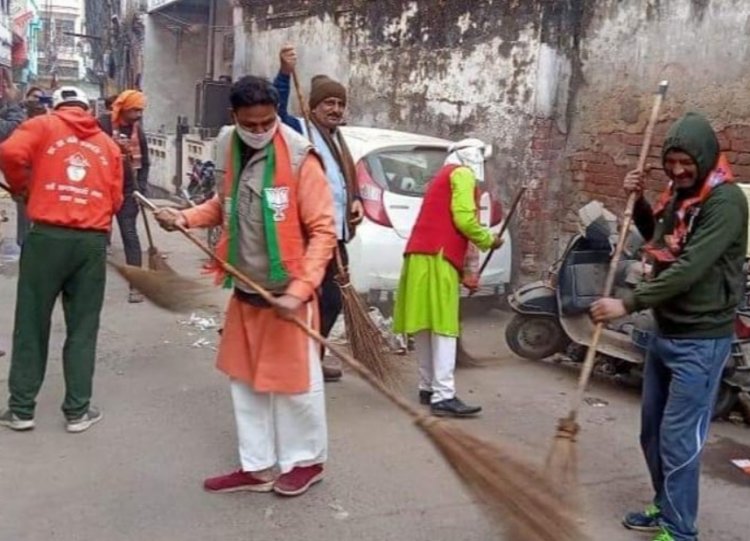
[582, 280]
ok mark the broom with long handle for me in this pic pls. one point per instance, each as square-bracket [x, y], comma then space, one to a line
[464, 359]
[508, 488]
[365, 339]
[561, 462]
[504, 227]
[156, 261]
[303, 106]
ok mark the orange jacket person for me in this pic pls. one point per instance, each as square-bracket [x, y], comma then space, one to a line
[71, 173]
[124, 126]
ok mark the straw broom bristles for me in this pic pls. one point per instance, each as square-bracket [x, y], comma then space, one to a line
[514, 493]
[365, 339]
[508, 488]
[167, 289]
[562, 464]
[156, 261]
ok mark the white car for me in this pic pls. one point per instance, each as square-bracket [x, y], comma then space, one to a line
[393, 170]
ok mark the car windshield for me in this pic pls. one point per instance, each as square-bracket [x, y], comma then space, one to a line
[406, 171]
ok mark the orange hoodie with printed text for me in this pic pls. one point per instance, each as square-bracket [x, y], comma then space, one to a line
[70, 170]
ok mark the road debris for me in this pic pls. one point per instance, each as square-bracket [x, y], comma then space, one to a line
[743, 464]
[339, 513]
[201, 323]
[596, 402]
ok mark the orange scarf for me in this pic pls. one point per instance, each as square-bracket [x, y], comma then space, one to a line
[285, 242]
[686, 213]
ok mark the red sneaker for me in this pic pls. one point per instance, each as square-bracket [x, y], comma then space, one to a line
[238, 481]
[298, 480]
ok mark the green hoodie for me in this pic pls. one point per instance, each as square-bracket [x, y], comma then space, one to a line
[697, 295]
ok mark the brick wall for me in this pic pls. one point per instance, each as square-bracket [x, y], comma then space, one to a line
[536, 227]
[596, 170]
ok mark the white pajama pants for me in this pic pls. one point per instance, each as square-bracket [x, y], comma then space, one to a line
[437, 364]
[282, 430]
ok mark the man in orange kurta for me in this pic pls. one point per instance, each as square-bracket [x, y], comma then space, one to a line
[277, 212]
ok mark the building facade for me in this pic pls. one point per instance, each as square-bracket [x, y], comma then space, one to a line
[6, 35]
[27, 28]
[64, 51]
[189, 41]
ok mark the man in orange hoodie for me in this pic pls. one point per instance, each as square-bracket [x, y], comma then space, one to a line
[70, 172]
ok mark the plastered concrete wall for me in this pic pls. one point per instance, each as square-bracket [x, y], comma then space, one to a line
[702, 47]
[173, 63]
[563, 89]
[495, 70]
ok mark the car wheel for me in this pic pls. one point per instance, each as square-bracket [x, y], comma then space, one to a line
[535, 337]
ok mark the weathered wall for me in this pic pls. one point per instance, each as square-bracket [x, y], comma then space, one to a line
[174, 61]
[495, 70]
[223, 35]
[562, 89]
[700, 46]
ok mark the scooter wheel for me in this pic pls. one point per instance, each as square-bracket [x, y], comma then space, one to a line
[726, 400]
[535, 337]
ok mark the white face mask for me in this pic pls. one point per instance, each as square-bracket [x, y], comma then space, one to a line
[257, 141]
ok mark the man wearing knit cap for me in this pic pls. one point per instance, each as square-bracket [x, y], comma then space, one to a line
[327, 105]
[123, 124]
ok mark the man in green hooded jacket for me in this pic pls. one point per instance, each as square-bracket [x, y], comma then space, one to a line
[697, 235]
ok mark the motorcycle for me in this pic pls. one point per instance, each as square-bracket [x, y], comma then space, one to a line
[551, 316]
[201, 187]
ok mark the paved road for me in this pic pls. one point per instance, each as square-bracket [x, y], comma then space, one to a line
[168, 424]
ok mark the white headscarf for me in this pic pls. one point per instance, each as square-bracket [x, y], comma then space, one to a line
[469, 153]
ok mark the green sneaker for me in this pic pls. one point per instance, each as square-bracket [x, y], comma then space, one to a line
[663, 536]
[646, 521]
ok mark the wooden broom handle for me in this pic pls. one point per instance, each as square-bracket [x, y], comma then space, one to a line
[418, 416]
[588, 363]
[148, 229]
[303, 106]
[504, 227]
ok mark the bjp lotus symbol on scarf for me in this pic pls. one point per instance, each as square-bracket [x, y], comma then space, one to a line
[278, 201]
[77, 168]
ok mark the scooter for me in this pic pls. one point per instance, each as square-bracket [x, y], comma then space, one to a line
[551, 316]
